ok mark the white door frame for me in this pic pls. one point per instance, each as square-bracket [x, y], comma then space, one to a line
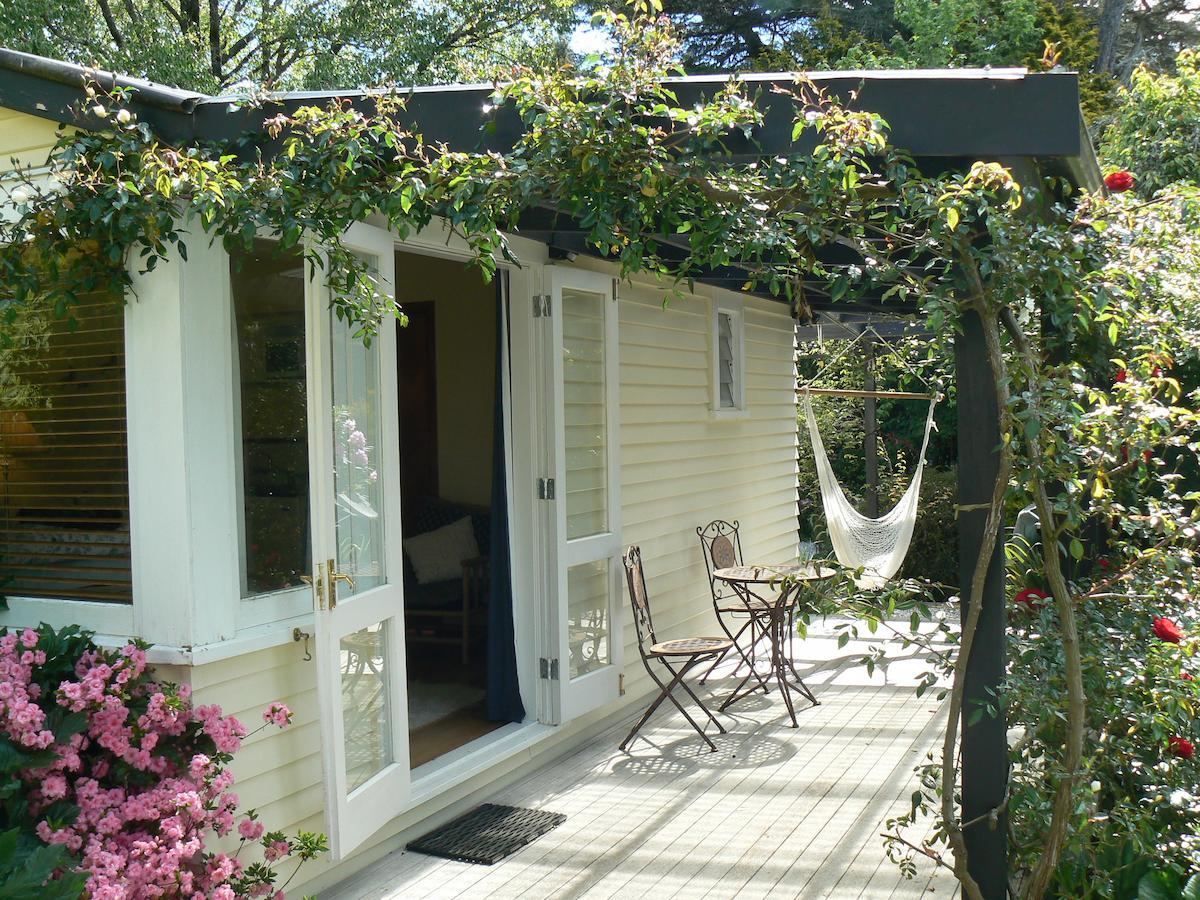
[353, 816]
[565, 698]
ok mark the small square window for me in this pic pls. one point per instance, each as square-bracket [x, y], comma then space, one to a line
[729, 391]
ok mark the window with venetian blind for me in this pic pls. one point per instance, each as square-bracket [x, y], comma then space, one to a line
[728, 361]
[64, 472]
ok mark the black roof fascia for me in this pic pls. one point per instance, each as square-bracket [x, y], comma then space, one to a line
[975, 113]
[979, 117]
[56, 90]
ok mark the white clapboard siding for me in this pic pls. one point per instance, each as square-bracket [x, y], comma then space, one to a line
[680, 468]
[25, 140]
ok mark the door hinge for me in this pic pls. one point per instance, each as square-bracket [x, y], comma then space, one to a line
[548, 669]
[545, 488]
[616, 289]
[541, 306]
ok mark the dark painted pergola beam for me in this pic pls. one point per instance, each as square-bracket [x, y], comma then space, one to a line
[942, 113]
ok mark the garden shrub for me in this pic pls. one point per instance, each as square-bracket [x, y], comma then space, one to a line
[118, 776]
[1138, 800]
[933, 553]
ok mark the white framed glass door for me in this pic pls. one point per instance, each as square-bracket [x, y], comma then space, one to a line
[358, 583]
[584, 518]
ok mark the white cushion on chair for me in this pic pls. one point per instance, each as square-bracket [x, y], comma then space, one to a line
[438, 555]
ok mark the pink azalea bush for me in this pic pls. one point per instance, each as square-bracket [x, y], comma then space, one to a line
[124, 772]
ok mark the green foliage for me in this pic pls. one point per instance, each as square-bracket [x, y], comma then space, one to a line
[966, 32]
[1087, 287]
[344, 43]
[27, 865]
[1069, 37]
[1136, 801]
[1155, 132]
[933, 553]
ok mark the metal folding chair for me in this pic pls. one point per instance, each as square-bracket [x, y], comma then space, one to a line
[721, 546]
[678, 657]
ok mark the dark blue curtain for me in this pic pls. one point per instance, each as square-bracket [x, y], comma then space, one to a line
[503, 691]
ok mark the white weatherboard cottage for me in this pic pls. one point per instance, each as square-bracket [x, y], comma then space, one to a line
[639, 421]
[416, 544]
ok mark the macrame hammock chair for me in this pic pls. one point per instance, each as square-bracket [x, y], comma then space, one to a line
[876, 546]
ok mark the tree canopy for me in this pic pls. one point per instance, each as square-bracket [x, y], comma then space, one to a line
[309, 44]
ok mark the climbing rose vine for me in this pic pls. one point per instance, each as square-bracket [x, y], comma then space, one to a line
[1085, 303]
[125, 772]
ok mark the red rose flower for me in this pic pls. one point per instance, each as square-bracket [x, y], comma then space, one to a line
[1122, 376]
[1118, 182]
[1147, 455]
[1031, 598]
[1187, 676]
[1103, 563]
[1168, 631]
[1182, 748]
[1157, 373]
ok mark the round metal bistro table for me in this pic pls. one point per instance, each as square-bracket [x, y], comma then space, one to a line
[776, 587]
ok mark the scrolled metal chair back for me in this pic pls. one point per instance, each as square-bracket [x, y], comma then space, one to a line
[635, 578]
[722, 549]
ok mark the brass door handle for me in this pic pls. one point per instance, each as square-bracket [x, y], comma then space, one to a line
[334, 577]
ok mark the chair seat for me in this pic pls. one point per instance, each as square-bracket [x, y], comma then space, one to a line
[691, 646]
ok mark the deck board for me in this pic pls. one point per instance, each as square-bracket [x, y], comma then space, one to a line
[775, 812]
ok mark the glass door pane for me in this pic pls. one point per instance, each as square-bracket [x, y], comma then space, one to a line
[366, 724]
[588, 588]
[585, 414]
[358, 485]
[586, 515]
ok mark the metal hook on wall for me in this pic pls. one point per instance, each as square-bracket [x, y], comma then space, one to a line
[298, 635]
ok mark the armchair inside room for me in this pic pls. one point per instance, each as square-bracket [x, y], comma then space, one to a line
[446, 603]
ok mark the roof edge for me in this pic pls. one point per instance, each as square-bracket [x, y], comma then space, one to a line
[72, 75]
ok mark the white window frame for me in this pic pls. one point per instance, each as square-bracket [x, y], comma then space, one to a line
[732, 307]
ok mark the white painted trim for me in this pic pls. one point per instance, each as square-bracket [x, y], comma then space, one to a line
[732, 306]
[578, 696]
[352, 816]
[108, 618]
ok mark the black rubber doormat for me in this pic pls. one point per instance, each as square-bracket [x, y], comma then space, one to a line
[487, 834]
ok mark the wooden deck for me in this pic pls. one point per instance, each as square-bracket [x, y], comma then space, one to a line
[776, 812]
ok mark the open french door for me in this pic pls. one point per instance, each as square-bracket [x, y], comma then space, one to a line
[583, 516]
[358, 585]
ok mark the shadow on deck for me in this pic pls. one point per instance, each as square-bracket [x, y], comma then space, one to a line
[775, 812]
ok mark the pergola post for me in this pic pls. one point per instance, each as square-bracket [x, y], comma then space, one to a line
[984, 743]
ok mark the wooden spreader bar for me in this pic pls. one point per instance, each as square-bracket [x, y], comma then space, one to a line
[846, 392]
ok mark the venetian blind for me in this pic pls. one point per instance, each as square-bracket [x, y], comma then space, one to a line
[726, 365]
[64, 473]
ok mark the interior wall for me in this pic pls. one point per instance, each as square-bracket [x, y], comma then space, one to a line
[465, 313]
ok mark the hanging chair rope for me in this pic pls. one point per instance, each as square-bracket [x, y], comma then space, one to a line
[877, 546]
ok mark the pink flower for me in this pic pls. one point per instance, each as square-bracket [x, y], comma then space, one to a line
[278, 713]
[250, 830]
[276, 850]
